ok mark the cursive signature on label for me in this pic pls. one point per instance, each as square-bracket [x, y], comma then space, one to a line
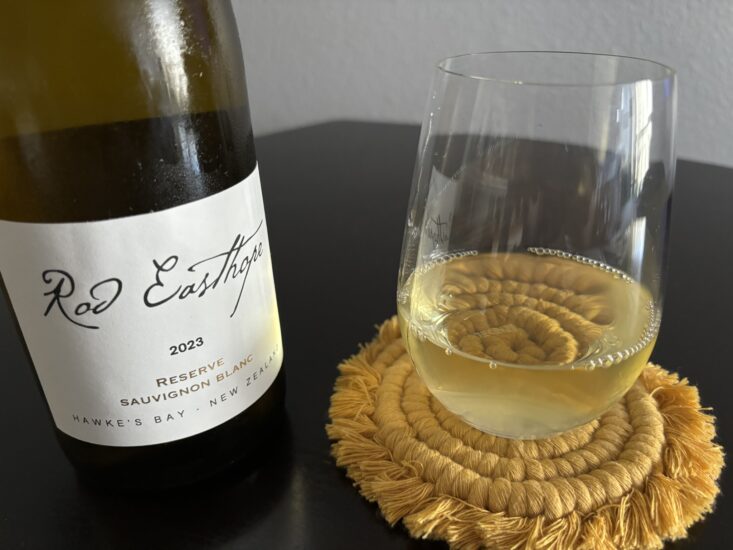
[212, 271]
[101, 296]
[170, 281]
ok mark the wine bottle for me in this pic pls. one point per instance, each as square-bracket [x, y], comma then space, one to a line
[133, 243]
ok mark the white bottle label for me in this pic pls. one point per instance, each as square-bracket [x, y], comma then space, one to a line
[149, 328]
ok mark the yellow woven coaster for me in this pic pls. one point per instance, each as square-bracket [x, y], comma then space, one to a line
[641, 474]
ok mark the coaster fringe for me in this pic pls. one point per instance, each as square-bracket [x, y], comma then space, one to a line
[638, 477]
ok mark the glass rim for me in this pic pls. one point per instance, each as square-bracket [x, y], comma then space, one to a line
[667, 72]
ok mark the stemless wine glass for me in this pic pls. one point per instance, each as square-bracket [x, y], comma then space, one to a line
[530, 288]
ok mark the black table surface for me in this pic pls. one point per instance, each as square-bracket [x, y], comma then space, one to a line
[336, 197]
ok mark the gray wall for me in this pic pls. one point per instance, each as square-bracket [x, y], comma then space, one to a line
[311, 61]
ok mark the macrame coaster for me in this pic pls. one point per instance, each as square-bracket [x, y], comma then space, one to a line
[641, 474]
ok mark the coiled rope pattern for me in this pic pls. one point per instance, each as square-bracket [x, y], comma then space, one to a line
[641, 473]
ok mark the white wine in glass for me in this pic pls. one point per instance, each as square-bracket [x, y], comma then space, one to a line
[530, 290]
